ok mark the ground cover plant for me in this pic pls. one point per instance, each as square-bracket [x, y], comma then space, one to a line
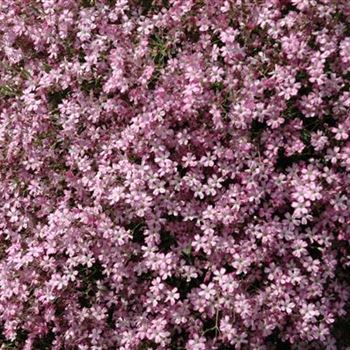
[174, 174]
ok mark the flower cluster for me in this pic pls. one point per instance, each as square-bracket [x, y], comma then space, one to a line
[174, 174]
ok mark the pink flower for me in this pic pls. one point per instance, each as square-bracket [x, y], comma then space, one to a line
[207, 291]
[197, 343]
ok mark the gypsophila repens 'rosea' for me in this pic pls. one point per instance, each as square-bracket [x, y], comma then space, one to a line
[175, 174]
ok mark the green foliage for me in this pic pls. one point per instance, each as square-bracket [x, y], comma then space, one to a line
[160, 49]
[148, 5]
[167, 240]
[8, 91]
[218, 86]
[16, 344]
[56, 97]
[133, 158]
[87, 3]
[137, 229]
[256, 130]
[92, 85]
[44, 342]
[89, 276]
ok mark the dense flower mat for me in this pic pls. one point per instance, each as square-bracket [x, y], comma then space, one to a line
[174, 174]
